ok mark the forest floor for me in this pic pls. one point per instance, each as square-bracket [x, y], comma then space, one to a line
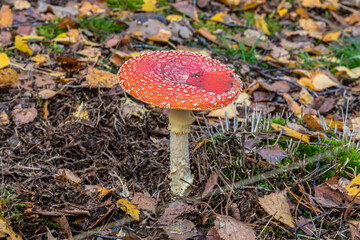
[82, 160]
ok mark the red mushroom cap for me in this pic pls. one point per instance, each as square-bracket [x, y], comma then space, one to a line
[180, 80]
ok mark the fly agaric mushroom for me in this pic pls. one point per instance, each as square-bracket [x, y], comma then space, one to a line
[180, 81]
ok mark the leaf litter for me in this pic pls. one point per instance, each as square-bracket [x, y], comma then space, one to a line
[70, 136]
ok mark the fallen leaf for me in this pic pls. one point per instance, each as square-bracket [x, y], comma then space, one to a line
[174, 17]
[218, 17]
[21, 45]
[207, 34]
[261, 96]
[311, 3]
[144, 202]
[97, 78]
[149, 6]
[4, 118]
[353, 18]
[81, 113]
[181, 229]
[4, 60]
[45, 110]
[290, 132]
[306, 98]
[229, 110]
[230, 2]
[47, 94]
[125, 205]
[6, 17]
[64, 175]
[322, 81]
[130, 108]
[293, 106]
[276, 204]
[5, 39]
[210, 184]
[186, 8]
[313, 122]
[323, 104]
[309, 228]
[354, 187]
[273, 154]
[280, 9]
[327, 196]
[6, 231]
[101, 191]
[351, 73]
[60, 12]
[40, 59]
[21, 5]
[330, 37]
[24, 115]
[163, 35]
[260, 23]
[174, 210]
[229, 228]
[302, 12]
[354, 229]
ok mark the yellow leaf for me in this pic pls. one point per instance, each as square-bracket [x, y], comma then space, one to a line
[4, 120]
[354, 186]
[101, 190]
[321, 81]
[174, 17]
[250, 4]
[7, 232]
[7, 77]
[290, 132]
[149, 6]
[97, 78]
[162, 36]
[6, 17]
[4, 60]
[81, 113]
[129, 208]
[311, 3]
[229, 110]
[330, 4]
[219, 16]
[281, 10]
[302, 12]
[45, 110]
[260, 23]
[306, 98]
[353, 73]
[330, 37]
[312, 26]
[40, 59]
[21, 45]
[30, 38]
[302, 72]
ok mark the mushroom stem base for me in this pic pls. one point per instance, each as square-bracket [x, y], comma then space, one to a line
[180, 174]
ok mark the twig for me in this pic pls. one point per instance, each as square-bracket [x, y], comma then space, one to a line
[309, 176]
[311, 221]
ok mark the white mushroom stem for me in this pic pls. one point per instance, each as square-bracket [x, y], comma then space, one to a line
[180, 173]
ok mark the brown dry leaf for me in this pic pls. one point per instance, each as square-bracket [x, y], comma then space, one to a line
[293, 106]
[97, 78]
[355, 122]
[91, 53]
[319, 49]
[181, 229]
[5, 38]
[321, 81]
[309, 228]
[64, 175]
[24, 115]
[101, 191]
[47, 94]
[353, 18]
[186, 8]
[144, 202]
[290, 132]
[327, 196]
[229, 228]
[21, 5]
[45, 110]
[6, 231]
[314, 28]
[273, 154]
[313, 122]
[306, 98]
[4, 118]
[207, 34]
[354, 230]
[210, 184]
[68, 22]
[302, 12]
[331, 37]
[6, 17]
[68, 10]
[324, 104]
[174, 210]
[356, 88]
[261, 96]
[88, 9]
[276, 204]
